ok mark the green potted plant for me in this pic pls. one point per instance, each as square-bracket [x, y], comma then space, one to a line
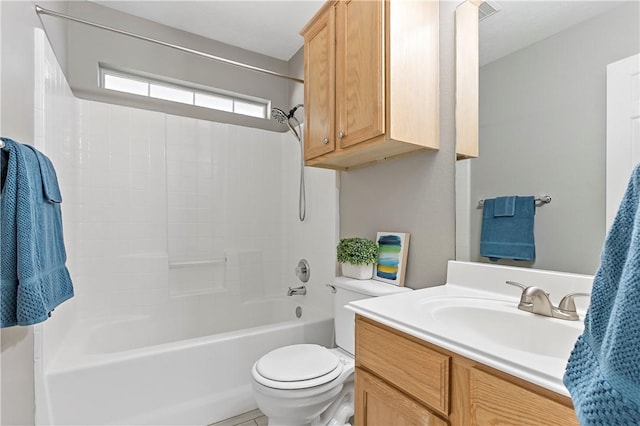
[357, 256]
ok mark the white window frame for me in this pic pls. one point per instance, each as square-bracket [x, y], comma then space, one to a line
[233, 97]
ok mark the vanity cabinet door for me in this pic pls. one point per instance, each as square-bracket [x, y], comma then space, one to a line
[378, 404]
[496, 401]
[405, 363]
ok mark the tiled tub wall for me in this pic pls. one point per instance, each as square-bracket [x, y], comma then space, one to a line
[159, 190]
[144, 189]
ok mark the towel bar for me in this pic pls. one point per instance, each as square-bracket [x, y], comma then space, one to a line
[543, 199]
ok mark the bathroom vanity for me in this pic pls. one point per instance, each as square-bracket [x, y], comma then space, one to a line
[464, 354]
[409, 381]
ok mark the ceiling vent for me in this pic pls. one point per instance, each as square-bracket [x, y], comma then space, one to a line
[487, 8]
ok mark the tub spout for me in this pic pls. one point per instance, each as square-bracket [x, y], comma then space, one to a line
[302, 290]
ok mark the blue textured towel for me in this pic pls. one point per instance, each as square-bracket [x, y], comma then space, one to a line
[33, 276]
[507, 235]
[603, 372]
[50, 188]
[504, 206]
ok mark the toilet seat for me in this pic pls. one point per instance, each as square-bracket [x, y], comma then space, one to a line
[297, 367]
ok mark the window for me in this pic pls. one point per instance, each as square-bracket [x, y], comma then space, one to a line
[124, 84]
[221, 103]
[250, 108]
[158, 89]
[171, 94]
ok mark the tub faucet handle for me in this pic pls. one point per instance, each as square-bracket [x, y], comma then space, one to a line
[303, 270]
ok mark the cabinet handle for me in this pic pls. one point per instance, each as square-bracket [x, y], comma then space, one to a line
[340, 134]
[325, 141]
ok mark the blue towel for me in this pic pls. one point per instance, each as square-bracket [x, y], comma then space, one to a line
[50, 187]
[33, 276]
[507, 228]
[603, 372]
[504, 206]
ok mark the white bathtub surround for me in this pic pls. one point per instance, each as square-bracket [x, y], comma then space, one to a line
[173, 370]
[316, 238]
[55, 134]
[529, 346]
[174, 228]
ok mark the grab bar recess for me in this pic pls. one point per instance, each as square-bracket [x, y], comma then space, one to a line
[190, 263]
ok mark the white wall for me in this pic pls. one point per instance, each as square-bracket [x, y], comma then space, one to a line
[542, 130]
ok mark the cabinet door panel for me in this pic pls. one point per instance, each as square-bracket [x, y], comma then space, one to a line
[378, 404]
[360, 71]
[319, 75]
[406, 364]
[495, 401]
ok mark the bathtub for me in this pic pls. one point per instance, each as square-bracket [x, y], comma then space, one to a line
[172, 369]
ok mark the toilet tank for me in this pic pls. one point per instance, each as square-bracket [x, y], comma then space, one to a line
[348, 290]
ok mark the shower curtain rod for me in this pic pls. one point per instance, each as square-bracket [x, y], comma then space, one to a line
[43, 11]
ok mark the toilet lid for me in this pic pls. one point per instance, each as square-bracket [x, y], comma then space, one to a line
[297, 363]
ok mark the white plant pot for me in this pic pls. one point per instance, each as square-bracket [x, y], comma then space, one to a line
[359, 272]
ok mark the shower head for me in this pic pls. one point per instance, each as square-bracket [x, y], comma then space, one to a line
[282, 117]
[293, 110]
[279, 115]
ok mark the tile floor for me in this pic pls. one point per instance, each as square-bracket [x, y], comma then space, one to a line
[252, 418]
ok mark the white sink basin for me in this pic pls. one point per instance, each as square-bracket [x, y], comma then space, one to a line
[500, 322]
[475, 315]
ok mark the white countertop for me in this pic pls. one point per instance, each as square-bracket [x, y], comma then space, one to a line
[534, 356]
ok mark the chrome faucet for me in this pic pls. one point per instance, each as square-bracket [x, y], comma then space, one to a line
[536, 300]
[302, 290]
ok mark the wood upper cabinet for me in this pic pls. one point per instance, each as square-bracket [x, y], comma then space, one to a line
[319, 88]
[371, 72]
[403, 380]
[359, 71]
[467, 79]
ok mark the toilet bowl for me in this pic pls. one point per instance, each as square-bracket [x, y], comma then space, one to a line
[310, 385]
[304, 385]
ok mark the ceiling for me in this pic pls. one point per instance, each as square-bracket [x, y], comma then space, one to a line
[521, 23]
[264, 26]
[272, 27]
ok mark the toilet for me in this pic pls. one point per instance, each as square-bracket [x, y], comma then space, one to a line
[309, 384]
